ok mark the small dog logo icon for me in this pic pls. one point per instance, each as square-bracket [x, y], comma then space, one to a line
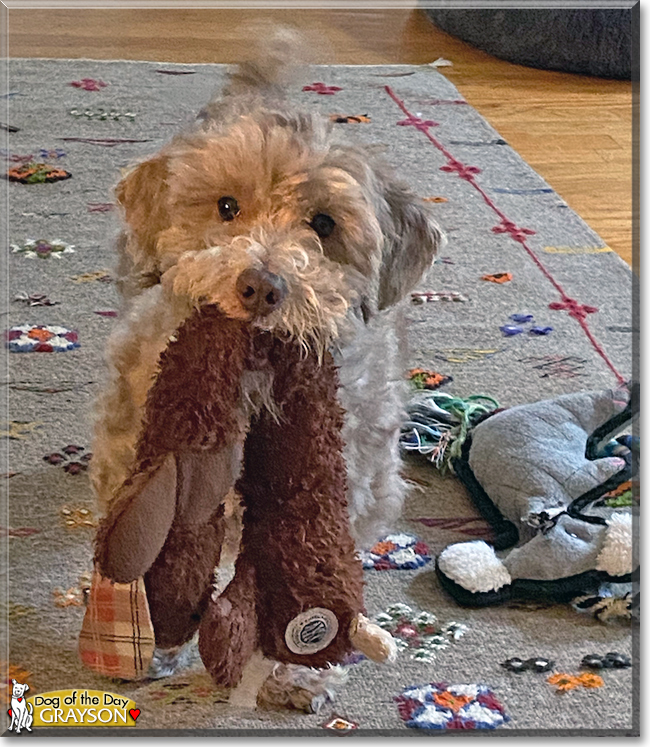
[21, 712]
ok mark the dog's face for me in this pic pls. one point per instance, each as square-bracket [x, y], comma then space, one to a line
[278, 225]
[18, 690]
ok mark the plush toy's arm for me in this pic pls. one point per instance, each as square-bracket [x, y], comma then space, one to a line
[187, 451]
[166, 522]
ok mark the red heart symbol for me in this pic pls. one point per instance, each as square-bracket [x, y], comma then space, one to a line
[20, 700]
[134, 712]
[9, 712]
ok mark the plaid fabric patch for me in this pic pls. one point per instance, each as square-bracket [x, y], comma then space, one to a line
[117, 638]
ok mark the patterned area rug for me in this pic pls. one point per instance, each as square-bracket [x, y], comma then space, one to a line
[85, 121]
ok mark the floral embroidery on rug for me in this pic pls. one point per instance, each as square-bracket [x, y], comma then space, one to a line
[418, 632]
[100, 276]
[564, 682]
[102, 114]
[322, 89]
[89, 84]
[556, 366]
[78, 517]
[18, 531]
[444, 706]
[41, 338]
[51, 154]
[32, 248]
[420, 297]
[71, 458]
[36, 173]
[396, 552]
[339, 724]
[13, 611]
[422, 378]
[349, 118]
[76, 596]
[18, 429]
[464, 355]
[34, 299]
[199, 689]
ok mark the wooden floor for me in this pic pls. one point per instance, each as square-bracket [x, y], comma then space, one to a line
[574, 130]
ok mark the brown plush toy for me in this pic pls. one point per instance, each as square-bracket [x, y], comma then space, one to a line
[297, 590]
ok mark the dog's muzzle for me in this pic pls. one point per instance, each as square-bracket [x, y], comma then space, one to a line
[260, 291]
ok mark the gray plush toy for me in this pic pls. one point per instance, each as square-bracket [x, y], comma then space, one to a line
[538, 473]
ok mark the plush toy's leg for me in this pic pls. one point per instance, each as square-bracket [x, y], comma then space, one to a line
[296, 524]
[178, 583]
[228, 636]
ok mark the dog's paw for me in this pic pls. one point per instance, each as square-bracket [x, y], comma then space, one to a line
[169, 661]
[295, 687]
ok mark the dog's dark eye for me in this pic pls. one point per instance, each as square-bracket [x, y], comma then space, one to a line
[228, 208]
[323, 225]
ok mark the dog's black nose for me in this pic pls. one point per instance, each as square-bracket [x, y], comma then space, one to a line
[260, 291]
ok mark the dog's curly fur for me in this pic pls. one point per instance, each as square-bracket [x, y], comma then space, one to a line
[283, 166]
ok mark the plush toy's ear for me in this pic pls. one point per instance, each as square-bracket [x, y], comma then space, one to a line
[142, 193]
[412, 241]
[131, 537]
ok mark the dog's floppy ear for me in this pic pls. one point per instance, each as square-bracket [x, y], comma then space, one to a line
[142, 193]
[26, 688]
[14, 682]
[412, 239]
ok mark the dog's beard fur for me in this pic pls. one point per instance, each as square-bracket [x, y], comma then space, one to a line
[319, 291]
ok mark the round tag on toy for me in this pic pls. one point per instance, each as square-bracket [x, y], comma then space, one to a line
[311, 631]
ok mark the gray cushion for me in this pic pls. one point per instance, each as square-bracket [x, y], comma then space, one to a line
[588, 41]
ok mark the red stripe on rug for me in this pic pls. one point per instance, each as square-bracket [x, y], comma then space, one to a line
[576, 310]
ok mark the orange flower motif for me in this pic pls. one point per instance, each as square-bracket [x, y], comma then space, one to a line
[589, 679]
[424, 379]
[381, 548]
[499, 277]
[449, 700]
[40, 334]
[564, 682]
[347, 118]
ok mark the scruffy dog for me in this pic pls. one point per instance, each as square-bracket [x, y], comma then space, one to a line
[260, 209]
